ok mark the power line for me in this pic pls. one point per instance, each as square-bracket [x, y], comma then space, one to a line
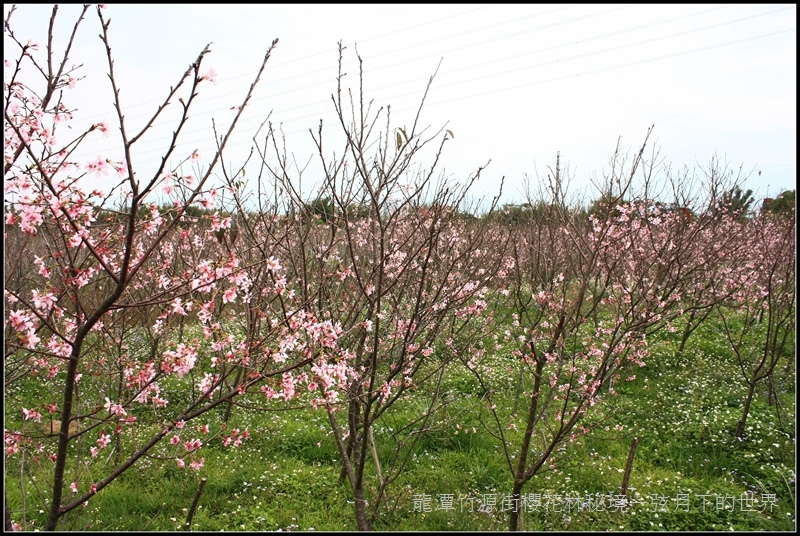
[532, 83]
[498, 90]
[473, 79]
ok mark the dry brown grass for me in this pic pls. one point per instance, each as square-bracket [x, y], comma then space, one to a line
[55, 427]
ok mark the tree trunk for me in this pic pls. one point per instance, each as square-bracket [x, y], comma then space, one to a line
[190, 515]
[8, 527]
[629, 466]
[686, 332]
[750, 393]
[772, 396]
[515, 517]
[361, 510]
[518, 393]
[229, 406]
[519, 477]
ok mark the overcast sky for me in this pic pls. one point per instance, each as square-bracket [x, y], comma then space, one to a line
[517, 84]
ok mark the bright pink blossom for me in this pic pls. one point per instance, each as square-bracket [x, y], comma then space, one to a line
[103, 440]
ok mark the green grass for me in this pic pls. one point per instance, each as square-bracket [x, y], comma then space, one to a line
[682, 409]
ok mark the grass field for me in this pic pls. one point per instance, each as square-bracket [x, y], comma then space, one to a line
[690, 472]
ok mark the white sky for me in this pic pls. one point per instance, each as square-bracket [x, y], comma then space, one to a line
[516, 85]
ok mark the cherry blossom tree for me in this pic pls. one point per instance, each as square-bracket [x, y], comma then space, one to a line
[98, 293]
[710, 241]
[399, 271]
[759, 317]
[585, 294]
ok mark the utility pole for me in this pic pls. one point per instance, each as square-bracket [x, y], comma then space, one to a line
[558, 166]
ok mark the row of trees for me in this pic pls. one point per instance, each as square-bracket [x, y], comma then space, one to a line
[149, 326]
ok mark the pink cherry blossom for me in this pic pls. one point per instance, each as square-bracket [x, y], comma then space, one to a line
[114, 409]
[273, 265]
[31, 415]
[103, 440]
[229, 296]
[102, 126]
[98, 167]
[211, 76]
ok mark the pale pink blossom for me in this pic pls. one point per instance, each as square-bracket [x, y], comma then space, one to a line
[114, 409]
[178, 308]
[273, 265]
[211, 76]
[31, 415]
[30, 218]
[43, 302]
[74, 241]
[229, 296]
[20, 320]
[98, 167]
[30, 339]
[102, 126]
